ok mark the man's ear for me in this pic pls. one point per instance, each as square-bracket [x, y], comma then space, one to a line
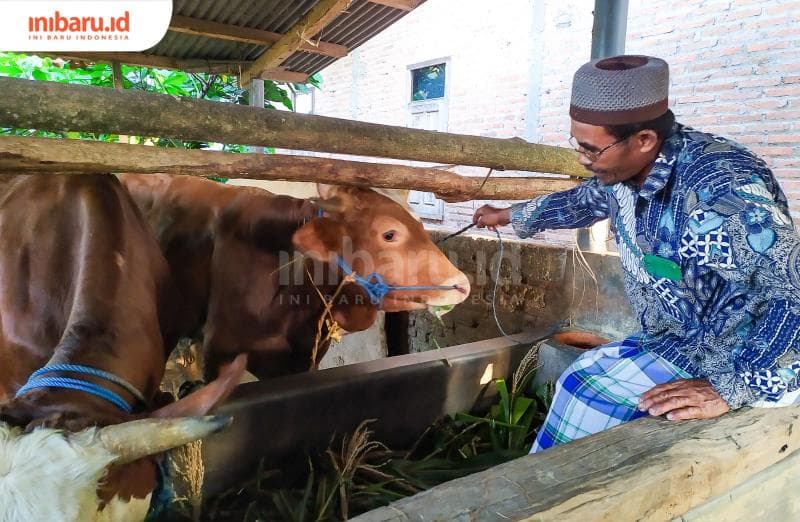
[319, 239]
[646, 140]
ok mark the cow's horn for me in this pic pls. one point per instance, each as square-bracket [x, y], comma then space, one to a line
[140, 438]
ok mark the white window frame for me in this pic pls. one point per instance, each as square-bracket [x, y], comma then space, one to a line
[436, 210]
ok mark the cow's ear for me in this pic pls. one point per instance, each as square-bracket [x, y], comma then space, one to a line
[326, 191]
[319, 239]
[212, 394]
[333, 205]
[336, 198]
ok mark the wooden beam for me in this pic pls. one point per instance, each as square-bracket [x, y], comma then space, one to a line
[284, 75]
[302, 32]
[234, 33]
[279, 74]
[768, 495]
[159, 62]
[55, 106]
[48, 155]
[650, 469]
[405, 5]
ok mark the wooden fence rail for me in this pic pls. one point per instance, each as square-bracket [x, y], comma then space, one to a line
[48, 155]
[61, 107]
[649, 469]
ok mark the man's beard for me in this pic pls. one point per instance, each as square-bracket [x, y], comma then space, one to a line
[602, 176]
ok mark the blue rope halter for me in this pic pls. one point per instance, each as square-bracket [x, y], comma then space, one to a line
[37, 381]
[377, 288]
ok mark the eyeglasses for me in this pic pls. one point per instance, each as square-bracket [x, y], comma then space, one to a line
[593, 155]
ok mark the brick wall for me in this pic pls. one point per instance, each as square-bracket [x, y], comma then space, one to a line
[735, 69]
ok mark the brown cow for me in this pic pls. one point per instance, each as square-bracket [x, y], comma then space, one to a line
[231, 253]
[83, 282]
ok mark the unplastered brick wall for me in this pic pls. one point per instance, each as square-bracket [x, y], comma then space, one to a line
[735, 69]
[487, 52]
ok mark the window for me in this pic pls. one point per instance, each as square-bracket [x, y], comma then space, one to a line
[427, 109]
[427, 83]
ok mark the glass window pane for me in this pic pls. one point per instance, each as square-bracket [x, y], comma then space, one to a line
[427, 82]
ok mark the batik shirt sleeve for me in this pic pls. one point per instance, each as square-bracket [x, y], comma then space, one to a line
[741, 231]
[581, 206]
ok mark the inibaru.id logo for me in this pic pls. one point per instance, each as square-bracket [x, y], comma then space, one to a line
[58, 26]
[83, 25]
[79, 24]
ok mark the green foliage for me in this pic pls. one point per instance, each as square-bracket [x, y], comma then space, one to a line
[511, 423]
[217, 87]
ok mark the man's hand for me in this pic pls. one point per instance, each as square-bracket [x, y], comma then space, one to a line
[684, 399]
[491, 218]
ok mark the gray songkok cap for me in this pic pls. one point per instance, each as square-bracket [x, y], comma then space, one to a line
[619, 90]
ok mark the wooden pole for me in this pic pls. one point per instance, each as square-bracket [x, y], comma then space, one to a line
[257, 100]
[48, 155]
[62, 107]
[116, 74]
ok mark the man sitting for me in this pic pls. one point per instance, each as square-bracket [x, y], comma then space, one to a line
[708, 250]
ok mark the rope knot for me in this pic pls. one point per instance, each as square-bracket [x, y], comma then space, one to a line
[376, 287]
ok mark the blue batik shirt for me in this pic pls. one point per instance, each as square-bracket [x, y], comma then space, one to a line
[722, 299]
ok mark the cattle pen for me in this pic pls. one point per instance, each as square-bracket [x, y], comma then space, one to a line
[648, 469]
[739, 466]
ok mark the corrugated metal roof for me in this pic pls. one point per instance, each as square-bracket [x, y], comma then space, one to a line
[361, 21]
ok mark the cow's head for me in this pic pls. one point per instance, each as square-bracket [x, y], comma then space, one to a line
[373, 233]
[98, 473]
[48, 474]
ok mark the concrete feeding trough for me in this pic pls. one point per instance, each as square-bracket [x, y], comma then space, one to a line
[276, 420]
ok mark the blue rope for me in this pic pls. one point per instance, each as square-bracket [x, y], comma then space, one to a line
[377, 288]
[88, 370]
[76, 384]
[37, 381]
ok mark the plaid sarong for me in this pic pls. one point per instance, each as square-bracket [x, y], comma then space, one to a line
[601, 389]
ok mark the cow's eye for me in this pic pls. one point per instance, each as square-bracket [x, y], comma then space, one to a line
[390, 236]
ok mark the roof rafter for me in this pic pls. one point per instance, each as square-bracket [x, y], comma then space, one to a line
[235, 33]
[302, 32]
[281, 74]
[278, 74]
[405, 5]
